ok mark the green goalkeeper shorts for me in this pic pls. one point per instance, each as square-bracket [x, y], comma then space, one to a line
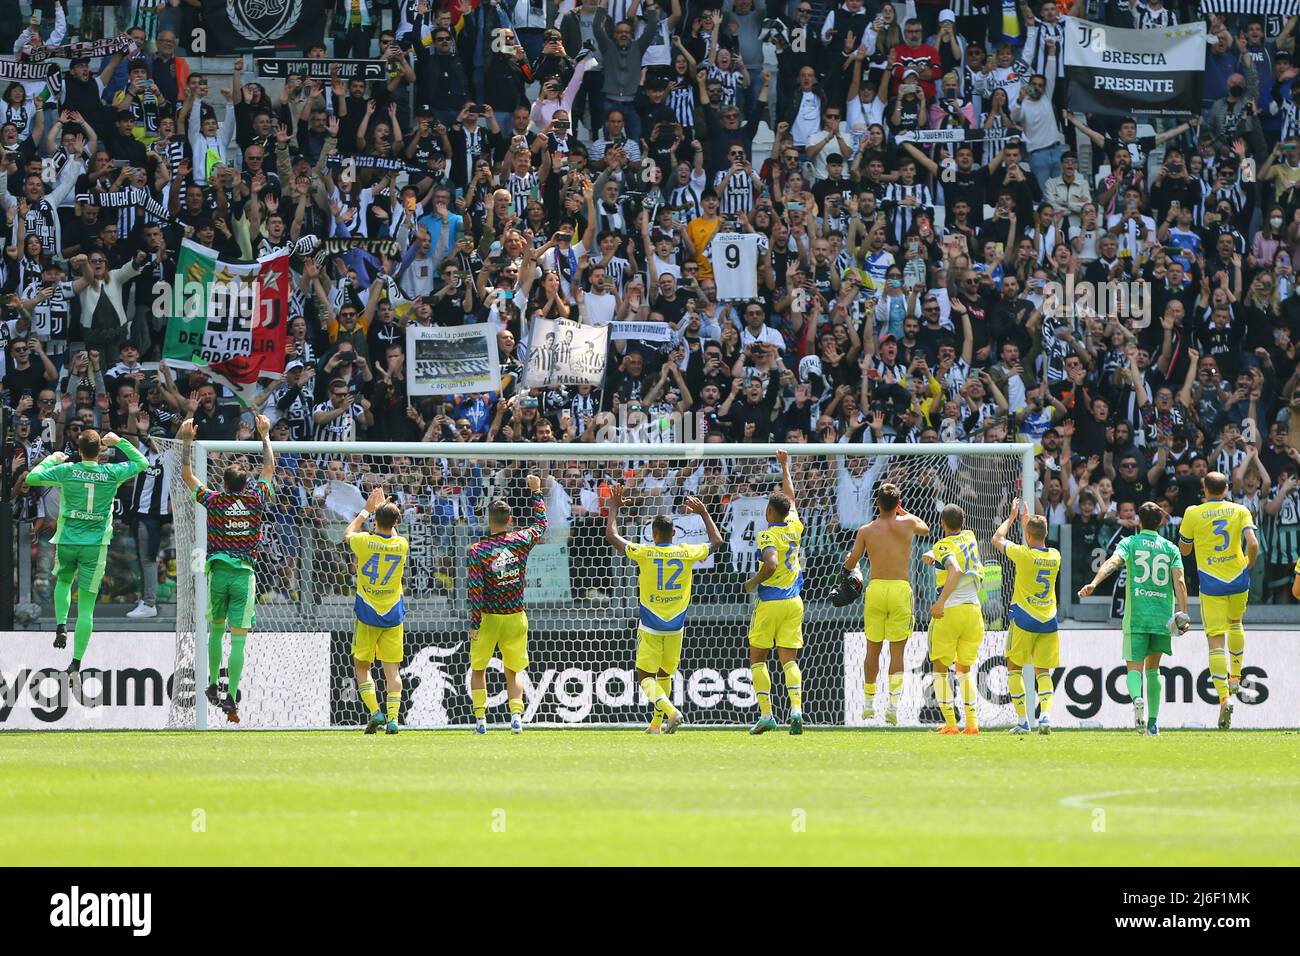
[232, 593]
[1141, 645]
[85, 562]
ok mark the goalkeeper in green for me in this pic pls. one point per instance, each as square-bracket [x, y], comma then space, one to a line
[86, 492]
[1153, 578]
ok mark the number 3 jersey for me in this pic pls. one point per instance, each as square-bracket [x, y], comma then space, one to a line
[665, 582]
[381, 562]
[784, 538]
[1033, 597]
[1149, 561]
[1217, 529]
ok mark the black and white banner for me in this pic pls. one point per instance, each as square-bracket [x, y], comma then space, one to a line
[452, 359]
[566, 353]
[1116, 72]
[321, 69]
[90, 49]
[954, 134]
[240, 26]
[376, 162]
[26, 72]
[1284, 8]
[376, 247]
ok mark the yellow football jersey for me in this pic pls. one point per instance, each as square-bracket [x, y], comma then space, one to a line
[962, 548]
[665, 581]
[1217, 529]
[381, 561]
[1033, 596]
[784, 538]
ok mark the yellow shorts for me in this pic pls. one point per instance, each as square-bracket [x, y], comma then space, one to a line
[778, 623]
[370, 643]
[1030, 647]
[957, 635]
[1218, 609]
[507, 631]
[658, 651]
[887, 611]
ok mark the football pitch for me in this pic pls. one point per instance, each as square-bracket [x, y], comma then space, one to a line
[571, 797]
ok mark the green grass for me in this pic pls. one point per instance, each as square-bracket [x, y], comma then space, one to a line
[620, 797]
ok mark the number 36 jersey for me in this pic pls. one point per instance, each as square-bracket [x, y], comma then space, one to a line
[1149, 562]
[381, 562]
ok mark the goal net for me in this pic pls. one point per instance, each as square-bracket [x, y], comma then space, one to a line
[581, 597]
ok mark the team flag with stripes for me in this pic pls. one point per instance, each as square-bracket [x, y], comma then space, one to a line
[228, 317]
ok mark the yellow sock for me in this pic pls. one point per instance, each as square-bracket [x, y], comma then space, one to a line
[367, 691]
[793, 684]
[1219, 672]
[394, 703]
[665, 683]
[479, 700]
[658, 699]
[1236, 649]
[1016, 685]
[966, 682]
[517, 706]
[943, 697]
[762, 688]
[895, 690]
[870, 690]
[1045, 693]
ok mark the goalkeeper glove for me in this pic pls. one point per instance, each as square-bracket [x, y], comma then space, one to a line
[1179, 623]
[847, 588]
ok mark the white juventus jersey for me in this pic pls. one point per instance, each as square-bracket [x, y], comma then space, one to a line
[734, 256]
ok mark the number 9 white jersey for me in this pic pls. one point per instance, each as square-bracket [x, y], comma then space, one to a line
[734, 256]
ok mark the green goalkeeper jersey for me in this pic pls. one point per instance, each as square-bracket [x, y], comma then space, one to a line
[86, 493]
[1149, 562]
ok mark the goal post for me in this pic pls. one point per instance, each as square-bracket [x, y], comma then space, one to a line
[581, 597]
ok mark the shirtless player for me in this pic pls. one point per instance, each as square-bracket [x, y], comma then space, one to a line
[887, 607]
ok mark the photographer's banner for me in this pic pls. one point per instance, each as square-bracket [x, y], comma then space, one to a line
[1116, 72]
[229, 318]
[452, 359]
[239, 26]
[566, 353]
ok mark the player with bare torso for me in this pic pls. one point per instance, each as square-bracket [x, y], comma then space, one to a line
[887, 607]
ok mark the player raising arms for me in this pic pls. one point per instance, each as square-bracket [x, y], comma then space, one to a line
[235, 517]
[497, 573]
[957, 631]
[778, 618]
[85, 526]
[665, 592]
[1154, 577]
[1032, 637]
[381, 562]
[1217, 529]
[887, 607]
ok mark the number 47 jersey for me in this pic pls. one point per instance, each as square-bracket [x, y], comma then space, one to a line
[381, 562]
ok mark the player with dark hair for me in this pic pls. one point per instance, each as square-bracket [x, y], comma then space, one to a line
[778, 617]
[665, 594]
[380, 611]
[1154, 578]
[497, 573]
[235, 518]
[887, 608]
[85, 526]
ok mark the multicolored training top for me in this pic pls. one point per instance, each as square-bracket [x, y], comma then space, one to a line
[235, 522]
[498, 567]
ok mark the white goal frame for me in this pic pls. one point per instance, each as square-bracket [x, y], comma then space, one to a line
[521, 452]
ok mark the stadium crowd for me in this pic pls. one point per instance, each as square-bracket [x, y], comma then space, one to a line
[575, 161]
